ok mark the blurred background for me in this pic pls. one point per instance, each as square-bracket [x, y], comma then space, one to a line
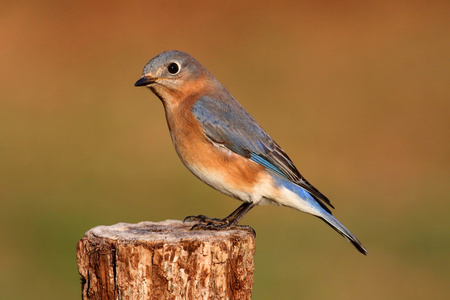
[357, 93]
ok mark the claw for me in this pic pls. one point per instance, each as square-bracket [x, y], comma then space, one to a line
[194, 218]
[200, 226]
[205, 223]
[222, 226]
[202, 219]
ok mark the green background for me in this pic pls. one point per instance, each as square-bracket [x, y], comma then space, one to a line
[356, 92]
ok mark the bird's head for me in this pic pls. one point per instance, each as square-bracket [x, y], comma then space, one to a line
[173, 75]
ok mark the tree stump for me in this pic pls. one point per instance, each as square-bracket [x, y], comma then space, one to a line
[165, 260]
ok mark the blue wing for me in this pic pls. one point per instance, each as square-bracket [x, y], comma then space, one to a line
[227, 123]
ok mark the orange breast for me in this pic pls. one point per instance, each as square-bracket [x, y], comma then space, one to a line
[199, 154]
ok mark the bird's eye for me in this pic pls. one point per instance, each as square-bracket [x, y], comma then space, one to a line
[173, 68]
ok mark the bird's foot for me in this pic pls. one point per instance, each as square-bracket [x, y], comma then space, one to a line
[202, 219]
[205, 223]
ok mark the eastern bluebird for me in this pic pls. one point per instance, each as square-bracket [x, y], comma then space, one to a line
[221, 144]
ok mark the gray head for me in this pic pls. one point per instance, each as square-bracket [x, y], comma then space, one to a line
[172, 74]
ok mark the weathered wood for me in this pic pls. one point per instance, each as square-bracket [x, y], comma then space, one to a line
[165, 260]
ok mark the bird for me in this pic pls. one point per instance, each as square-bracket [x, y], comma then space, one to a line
[224, 146]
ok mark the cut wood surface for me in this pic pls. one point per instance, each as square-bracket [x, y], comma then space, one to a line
[165, 260]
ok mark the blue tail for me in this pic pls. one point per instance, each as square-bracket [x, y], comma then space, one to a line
[336, 225]
[302, 200]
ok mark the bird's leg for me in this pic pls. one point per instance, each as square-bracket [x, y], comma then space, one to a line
[231, 218]
[206, 223]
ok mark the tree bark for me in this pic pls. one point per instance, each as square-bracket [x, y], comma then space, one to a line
[165, 260]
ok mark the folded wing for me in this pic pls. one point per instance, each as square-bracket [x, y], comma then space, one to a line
[228, 124]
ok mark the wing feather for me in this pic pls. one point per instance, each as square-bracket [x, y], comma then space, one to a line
[229, 124]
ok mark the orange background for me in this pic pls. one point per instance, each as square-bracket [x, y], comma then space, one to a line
[357, 93]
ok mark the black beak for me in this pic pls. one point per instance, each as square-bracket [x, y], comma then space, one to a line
[144, 81]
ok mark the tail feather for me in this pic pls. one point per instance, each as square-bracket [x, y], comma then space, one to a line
[294, 196]
[336, 225]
